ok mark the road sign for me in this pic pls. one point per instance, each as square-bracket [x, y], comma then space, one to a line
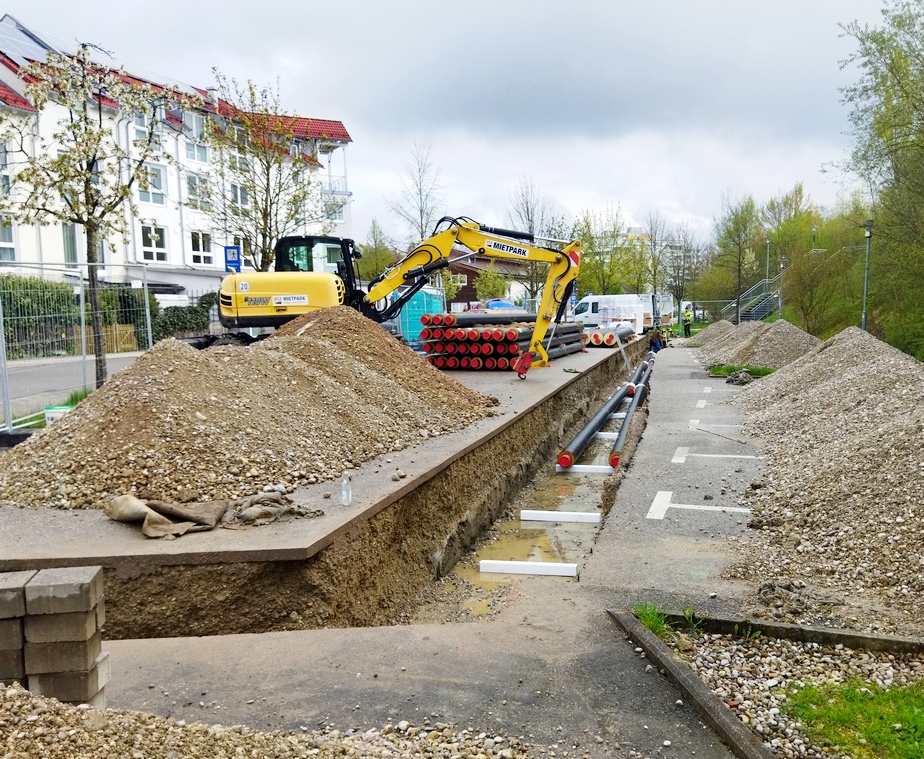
[233, 258]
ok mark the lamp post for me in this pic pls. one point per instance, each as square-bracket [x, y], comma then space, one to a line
[767, 277]
[814, 229]
[783, 262]
[868, 226]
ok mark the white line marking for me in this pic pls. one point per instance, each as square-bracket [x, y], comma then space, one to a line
[558, 569]
[701, 404]
[584, 469]
[683, 453]
[662, 502]
[707, 389]
[607, 435]
[527, 515]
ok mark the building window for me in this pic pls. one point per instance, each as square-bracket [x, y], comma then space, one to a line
[202, 248]
[7, 248]
[334, 254]
[238, 157]
[70, 244]
[197, 152]
[157, 185]
[334, 211]
[145, 130]
[239, 196]
[153, 243]
[197, 186]
[4, 172]
[244, 244]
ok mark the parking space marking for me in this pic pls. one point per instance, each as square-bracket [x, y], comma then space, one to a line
[702, 404]
[662, 502]
[694, 425]
[683, 453]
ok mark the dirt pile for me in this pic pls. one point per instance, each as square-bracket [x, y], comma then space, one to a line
[841, 504]
[331, 391]
[32, 727]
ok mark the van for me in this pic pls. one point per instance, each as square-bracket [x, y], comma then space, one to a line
[641, 310]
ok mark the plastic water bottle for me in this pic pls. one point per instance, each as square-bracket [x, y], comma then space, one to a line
[346, 490]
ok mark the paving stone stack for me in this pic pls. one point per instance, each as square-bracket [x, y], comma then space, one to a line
[59, 613]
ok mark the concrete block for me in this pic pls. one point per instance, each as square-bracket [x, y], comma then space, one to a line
[74, 687]
[12, 593]
[101, 613]
[12, 665]
[64, 590]
[67, 656]
[52, 628]
[10, 634]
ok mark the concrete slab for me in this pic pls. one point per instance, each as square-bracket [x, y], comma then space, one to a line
[34, 538]
[13, 592]
[64, 590]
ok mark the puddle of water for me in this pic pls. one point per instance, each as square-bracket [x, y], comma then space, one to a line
[539, 541]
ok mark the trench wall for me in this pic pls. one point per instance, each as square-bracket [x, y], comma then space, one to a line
[370, 575]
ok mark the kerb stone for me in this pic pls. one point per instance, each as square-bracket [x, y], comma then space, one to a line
[12, 666]
[76, 687]
[63, 590]
[12, 593]
[52, 628]
[67, 656]
[10, 634]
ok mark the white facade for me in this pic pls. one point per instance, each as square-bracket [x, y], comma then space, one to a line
[172, 242]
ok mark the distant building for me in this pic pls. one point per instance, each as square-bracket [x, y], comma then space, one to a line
[173, 241]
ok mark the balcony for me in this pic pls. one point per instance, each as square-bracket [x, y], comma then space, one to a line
[334, 186]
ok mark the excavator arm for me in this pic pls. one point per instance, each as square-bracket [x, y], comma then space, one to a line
[432, 254]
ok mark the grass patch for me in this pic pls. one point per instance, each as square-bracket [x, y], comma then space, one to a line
[77, 395]
[723, 370]
[863, 721]
[653, 618]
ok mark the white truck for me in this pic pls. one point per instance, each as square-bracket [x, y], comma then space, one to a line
[642, 310]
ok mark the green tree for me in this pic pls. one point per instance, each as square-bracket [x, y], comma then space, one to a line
[81, 174]
[377, 254]
[267, 186]
[603, 237]
[490, 283]
[738, 235]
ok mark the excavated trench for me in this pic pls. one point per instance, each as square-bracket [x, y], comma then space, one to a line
[372, 574]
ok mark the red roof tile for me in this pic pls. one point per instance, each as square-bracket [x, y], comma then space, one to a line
[14, 100]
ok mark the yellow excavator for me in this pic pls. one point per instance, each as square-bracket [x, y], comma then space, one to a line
[269, 299]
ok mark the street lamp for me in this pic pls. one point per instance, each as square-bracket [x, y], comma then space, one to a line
[868, 226]
[783, 262]
[768, 262]
[814, 229]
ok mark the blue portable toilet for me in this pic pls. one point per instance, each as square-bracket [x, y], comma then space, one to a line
[428, 300]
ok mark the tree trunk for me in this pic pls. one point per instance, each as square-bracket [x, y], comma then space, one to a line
[96, 311]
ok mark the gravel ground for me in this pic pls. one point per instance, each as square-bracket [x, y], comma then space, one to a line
[33, 727]
[838, 525]
[755, 344]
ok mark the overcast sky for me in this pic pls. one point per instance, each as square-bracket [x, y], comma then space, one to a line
[658, 106]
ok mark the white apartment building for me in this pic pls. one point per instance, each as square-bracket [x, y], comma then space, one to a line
[173, 245]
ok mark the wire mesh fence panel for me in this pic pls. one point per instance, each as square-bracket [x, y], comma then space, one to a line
[47, 337]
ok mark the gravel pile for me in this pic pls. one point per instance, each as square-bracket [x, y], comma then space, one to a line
[329, 391]
[713, 332]
[722, 348]
[775, 347]
[839, 518]
[752, 675]
[33, 727]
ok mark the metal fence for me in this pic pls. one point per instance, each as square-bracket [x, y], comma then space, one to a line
[46, 341]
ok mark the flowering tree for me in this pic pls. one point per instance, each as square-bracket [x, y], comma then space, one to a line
[265, 169]
[80, 174]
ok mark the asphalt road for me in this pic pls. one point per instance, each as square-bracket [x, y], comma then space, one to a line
[34, 383]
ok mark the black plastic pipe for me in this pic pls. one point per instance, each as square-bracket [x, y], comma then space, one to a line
[637, 397]
[576, 447]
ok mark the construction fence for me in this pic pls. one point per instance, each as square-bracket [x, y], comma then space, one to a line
[46, 337]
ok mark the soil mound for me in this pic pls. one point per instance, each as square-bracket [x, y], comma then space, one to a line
[842, 428]
[183, 425]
